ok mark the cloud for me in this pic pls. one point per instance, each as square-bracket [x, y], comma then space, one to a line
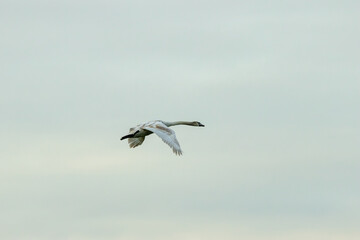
[275, 84]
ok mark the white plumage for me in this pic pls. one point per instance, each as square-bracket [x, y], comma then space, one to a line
[137, 134]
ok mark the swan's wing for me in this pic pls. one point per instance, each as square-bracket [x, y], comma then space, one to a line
[134, 142]
[166, 134]
[134, 129]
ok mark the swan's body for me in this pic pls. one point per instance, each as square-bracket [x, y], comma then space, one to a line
[137, 134]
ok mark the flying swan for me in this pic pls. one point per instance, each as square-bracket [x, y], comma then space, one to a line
[137, 134]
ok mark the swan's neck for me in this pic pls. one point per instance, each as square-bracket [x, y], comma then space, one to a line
[169, 124]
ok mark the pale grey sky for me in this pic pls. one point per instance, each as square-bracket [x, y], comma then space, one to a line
[276, 84]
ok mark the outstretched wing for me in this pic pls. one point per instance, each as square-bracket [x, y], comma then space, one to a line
[166, 134]
[133, 129]
[134, 142]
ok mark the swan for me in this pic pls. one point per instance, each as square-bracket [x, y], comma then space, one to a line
[137, 134]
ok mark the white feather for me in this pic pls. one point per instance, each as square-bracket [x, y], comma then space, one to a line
[134, 142]
[166, 134]
[137, 134]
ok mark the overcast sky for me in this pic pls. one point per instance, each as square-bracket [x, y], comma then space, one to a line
[276, 84]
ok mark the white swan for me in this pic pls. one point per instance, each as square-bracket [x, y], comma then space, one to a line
[137, 134]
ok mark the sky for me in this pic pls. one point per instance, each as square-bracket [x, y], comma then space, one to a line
[276, 84]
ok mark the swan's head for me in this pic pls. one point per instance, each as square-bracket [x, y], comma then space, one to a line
[198, 124]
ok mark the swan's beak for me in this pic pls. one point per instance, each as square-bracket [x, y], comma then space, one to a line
[201, 125]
